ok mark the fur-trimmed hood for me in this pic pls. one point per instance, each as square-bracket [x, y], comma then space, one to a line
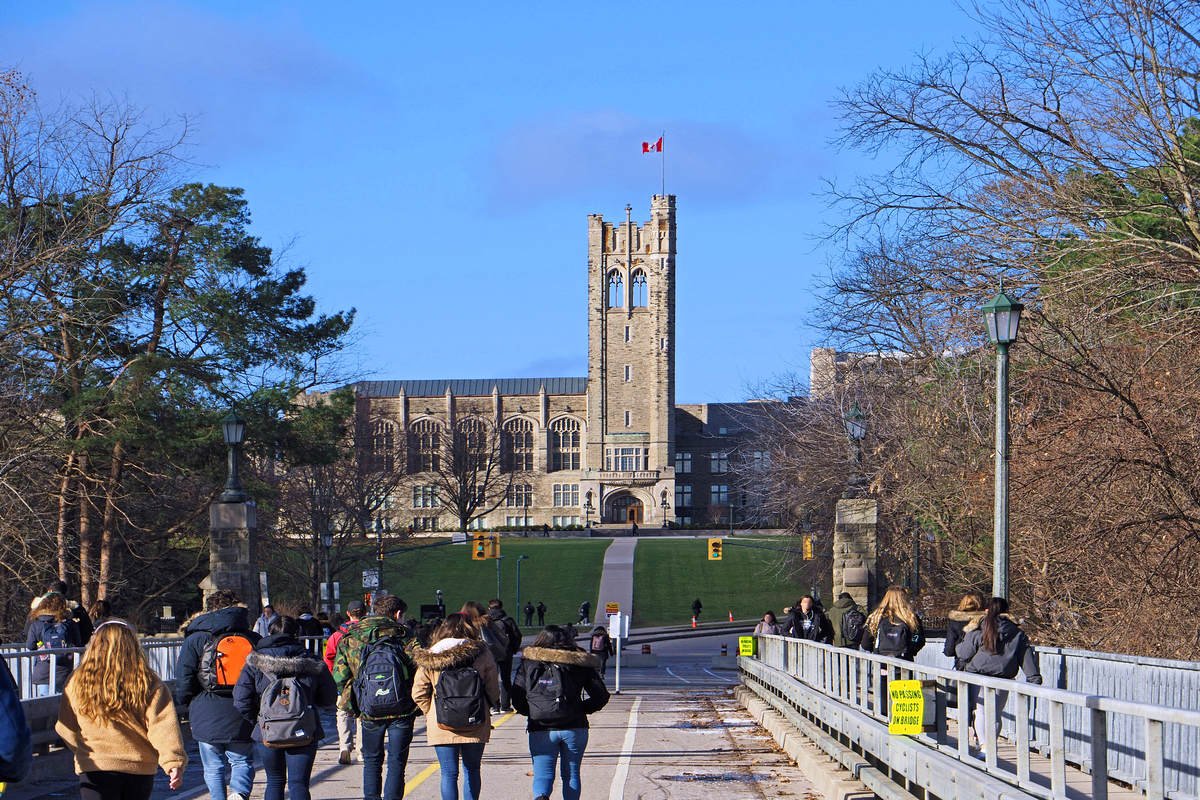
[284, 666]
[575, 658]
[966, 616]
[975, 622]
[459, 655]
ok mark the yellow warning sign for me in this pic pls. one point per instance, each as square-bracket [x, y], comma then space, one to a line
[746, 646]
[911, 708]
[612, 608]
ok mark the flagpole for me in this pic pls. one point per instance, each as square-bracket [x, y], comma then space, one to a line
[663, 162]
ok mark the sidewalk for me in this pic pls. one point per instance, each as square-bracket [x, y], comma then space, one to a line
[616, 582]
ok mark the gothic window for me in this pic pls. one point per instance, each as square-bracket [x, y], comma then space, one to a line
[472, 435]
[641, 292]
[564, 444]
[625, 459]
[566, 494]
[518, 445]
[616, 290]
[425, 497]
[424, 446]
[520, 495]
[383, 446]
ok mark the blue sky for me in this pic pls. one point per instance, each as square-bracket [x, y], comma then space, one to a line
[433, 165]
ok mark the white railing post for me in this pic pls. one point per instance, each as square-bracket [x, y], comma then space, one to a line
[1154, 760]
[1099, 735]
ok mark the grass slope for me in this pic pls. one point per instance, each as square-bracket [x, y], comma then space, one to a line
[669, 573]
[562, 574]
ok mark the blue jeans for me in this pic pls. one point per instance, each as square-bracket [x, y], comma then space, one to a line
[241, 767]
[293, 766]
[399, 733]
[566, 746]
[448, 756]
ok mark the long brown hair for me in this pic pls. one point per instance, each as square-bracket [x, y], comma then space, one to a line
[53, 604]
[114, 680]
[896, 608]
[991, 624]
[454, 626]
[555, 637]
[971, 601]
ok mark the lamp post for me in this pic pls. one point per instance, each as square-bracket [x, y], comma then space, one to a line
[517, 604]
[665, 508]
[327, 543]
[587, 511]
[498, 560]
[856, 430]
[1003, 316]
[233, 429]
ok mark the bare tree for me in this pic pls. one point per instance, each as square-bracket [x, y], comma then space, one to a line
[464, 469]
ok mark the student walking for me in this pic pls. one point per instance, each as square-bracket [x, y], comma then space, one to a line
[214, 652]
[969, 612]
[768, 625]
[601, 646]
[528, 611]
[374, 675]
[806, 621]
[51, 627]
[697, 607]
[118, 719]
[557, 687]
[585, 609]
[893, 628]
[541, 612]
[279, 690]
[347, 723]
[847, 621]
[455, 684]
[505, 628]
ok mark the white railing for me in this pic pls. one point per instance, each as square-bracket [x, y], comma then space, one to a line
[1038, 720]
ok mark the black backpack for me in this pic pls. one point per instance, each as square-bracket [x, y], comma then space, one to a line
[459, 699]
[54, 637]
[853, 623]
[552, 695]
[892, 638]
[383, 685]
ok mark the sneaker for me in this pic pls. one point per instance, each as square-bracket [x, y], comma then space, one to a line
[237, 796]
[345, 758]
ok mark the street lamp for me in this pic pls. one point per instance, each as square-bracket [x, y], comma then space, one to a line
[856, 430]
[1003, 316]
[588, 508]
[517, 605]
[233, 429]
[666, 506]
[327, 543]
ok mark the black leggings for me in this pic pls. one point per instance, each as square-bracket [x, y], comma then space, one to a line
[102, 785]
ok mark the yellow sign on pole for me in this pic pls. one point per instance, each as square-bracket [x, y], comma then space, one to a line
[612, 608]
[912, 707]
[746, 646]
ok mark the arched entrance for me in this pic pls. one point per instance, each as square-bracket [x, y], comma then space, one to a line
[624, 507]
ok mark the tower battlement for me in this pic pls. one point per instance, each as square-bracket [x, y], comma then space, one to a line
[656, 235]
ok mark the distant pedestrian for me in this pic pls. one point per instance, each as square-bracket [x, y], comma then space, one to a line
[999, 649]
[805, 621]
[16, 741]
[528, 611]
[557, 687]
[541, 612]
[100, 611]
[634, 528]
[601, 646]
[280, 689]
[969, 612]
[118, 719]
[545, 530]
[768, 625]
[893, 628]
[347, 721]
[697, 607]
[456, 682]
[847, 621]
[262, 625]
[51, 628]
[499, 621]
[309, 625]
[585, 610]
[75, 611]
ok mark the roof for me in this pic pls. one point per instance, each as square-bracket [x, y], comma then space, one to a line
[472, 387]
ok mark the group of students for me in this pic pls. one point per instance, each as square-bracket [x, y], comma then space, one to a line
[248, 695]
[981, 637]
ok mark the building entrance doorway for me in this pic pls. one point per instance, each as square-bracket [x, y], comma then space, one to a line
[627, 508]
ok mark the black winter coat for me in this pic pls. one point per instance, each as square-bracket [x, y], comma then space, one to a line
[1016, 654]
[956, 624]
[583, 670]
[63, 664]
[282, 655]
[500, 617]
[213, 718]
[818, 630]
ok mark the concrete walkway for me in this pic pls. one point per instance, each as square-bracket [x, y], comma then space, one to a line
[616, 582]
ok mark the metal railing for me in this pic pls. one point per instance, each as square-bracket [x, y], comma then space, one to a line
[1062, 726]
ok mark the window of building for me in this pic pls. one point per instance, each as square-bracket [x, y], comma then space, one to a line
[683, 495]
[625, 459]
[566, 494]
[381, 523]
[425, 497]
[477, 524]
[718, 462]
[424, 446]
[682, 520]
[718, 494]
[520, 495]
[616, 290]
[564, 444]
[627, 333]
[516, 521]
[565, 522]
[518, 445]
[641, 293]
[425, 523]
[473, 435]
[383, 446]
[628, 372]
[683, 462]
[722, 431]
[628, 419]
[760, 460]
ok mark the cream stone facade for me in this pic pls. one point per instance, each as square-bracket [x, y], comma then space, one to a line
[600, 449]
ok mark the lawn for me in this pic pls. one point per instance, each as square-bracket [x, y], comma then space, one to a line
[561, 573]
[669, 573]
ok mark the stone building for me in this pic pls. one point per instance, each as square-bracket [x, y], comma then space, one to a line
[609, 448]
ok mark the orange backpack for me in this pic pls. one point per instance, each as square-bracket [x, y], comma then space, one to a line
[222, 661]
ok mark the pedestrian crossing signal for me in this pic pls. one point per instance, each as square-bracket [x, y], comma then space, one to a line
[494, 546]
[479, 547]
[714, 549]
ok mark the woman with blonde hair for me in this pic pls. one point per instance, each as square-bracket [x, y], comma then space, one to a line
[51, 628]
[969, 612]
[118, 719]
[893, 628]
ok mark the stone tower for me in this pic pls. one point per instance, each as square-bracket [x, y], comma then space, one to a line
[631, 365]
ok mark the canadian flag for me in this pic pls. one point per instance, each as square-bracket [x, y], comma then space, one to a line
[652, 147]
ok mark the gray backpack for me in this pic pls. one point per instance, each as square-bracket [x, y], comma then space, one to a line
[286, 717]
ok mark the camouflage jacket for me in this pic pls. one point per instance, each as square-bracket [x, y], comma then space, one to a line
[348, 659]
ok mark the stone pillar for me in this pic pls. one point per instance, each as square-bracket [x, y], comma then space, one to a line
[231, 556]
[854, 550]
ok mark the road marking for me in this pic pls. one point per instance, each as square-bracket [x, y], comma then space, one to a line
[433, 768]
[719, 677]
[676, 677]
[617, 790]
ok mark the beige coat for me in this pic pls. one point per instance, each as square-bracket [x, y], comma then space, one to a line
[447, 654]
[120, 746]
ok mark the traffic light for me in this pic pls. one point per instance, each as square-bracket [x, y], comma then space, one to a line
[808, 548]
[494, 546]
[714, 549]
[479, 547]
